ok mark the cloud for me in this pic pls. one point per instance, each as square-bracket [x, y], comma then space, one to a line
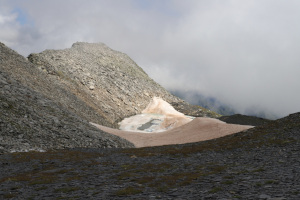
[243, 53]
[9, 28]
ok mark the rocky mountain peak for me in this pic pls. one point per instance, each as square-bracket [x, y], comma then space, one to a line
[108, 79]
[48, 100]
[34, 113]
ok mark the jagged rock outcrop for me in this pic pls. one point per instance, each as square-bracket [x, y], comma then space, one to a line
[31, 116]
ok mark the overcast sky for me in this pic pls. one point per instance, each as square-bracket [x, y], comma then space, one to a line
[245, 53]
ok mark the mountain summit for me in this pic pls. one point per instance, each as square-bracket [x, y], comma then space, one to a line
[108, 81]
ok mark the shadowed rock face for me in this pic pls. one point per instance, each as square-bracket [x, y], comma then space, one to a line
[34, 115]
[106, 80]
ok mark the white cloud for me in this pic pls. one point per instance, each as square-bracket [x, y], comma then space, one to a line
[245, 53]
[9, 28]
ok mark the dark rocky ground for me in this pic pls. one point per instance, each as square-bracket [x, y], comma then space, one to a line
[244, 120]
[260, 163]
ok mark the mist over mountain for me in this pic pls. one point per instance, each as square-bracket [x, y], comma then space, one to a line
[213, 104]
[61, 101]
[242, 54]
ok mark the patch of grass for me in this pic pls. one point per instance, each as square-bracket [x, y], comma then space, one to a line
[151, 167]
[271, 182]
[17, 178]
[67, 189]
[93, 163]
[180, 179]
[228, 182]
[260, 169]
[68, 198]
[128, 191]
[108, 163]
[63, 171]
[128, 166]
[41, 188]
[238, 197]
[9, 196]
[60, 73]
[74, 177]
[161, 188]
[62, 155]
[186, 165]
[258, 184]
[278, 141]
[44, 178]
[35, 177]
[41, 181]
[215, 169]
[96, 192]
[125, 175]
[228, 177]
[215, 190]
[145, 179]
[295, 192]
[245, 171]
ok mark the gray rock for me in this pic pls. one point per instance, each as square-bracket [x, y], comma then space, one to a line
[264, 196]
[36, 111]
[107, 80]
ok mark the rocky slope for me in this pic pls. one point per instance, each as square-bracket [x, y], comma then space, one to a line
[31, 120]
[194, 110]
[107, 81]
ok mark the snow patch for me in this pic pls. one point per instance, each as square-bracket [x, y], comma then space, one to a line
[158, 116]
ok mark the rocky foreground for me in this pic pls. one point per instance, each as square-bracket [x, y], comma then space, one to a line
[261, 163]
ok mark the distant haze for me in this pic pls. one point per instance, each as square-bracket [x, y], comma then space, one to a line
[243, 53]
